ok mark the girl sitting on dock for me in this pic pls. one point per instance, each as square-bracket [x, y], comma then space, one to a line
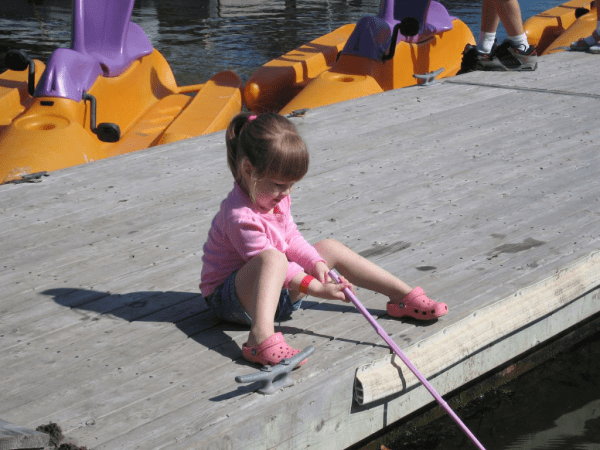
[257, 265]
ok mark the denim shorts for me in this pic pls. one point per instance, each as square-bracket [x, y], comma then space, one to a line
[226, 305]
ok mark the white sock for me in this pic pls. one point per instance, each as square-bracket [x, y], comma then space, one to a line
[486, 41]
[520, 42]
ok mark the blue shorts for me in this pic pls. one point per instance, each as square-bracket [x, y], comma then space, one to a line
[226, 305]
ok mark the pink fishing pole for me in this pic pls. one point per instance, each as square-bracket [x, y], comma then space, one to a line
[381, 332]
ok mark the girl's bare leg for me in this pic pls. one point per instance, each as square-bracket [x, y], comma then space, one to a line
[258, 286]
[360, 271]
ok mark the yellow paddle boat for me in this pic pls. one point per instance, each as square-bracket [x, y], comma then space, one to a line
[581, 28]
[406, 39]
[110, 93]
[554, 30]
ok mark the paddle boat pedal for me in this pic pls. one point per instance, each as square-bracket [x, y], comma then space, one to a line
[428, 79]
[276, 377]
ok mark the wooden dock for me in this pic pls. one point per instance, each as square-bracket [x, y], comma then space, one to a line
[483, 189]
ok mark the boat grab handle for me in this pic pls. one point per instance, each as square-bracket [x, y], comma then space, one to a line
[409, 26]
[106, 131]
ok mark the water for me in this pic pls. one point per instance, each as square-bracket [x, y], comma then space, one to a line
[202, 37]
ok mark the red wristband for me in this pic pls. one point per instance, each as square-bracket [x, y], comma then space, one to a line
[304, 284]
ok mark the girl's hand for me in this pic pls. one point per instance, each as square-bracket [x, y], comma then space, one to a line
[334, 291]
[321, 272]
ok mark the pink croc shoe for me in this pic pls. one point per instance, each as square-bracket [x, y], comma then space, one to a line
[416, 304]
[270, 351]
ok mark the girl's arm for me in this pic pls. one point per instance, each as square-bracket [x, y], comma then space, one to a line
[299, 249]
[328, 291]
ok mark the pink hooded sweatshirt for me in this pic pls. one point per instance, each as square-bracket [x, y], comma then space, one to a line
[240, 231]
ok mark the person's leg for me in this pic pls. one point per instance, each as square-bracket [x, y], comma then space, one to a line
[509, 13]
[489, 16]
[515, 53]
[489, 25]
[258, 286]
[360, 271]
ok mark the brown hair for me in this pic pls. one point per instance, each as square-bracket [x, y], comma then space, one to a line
[272, 145]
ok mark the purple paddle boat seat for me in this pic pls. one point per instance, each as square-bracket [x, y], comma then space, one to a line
[438, 20]
[432, 16]
[102, 29]
[371, 36]
[104, 42]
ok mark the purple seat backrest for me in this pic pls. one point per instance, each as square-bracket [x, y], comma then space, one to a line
[102, 29]
[432, 16]
[438, 20]
[68, 73]
[104, 42]
[371, 38]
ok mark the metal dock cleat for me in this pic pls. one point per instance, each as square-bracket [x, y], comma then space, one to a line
[274, 378]
[428, 79]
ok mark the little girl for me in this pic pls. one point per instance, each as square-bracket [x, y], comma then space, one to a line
[257, 265]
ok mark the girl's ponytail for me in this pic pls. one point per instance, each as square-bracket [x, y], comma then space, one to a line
[232, 140]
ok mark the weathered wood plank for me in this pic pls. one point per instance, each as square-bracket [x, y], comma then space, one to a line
[475, 189]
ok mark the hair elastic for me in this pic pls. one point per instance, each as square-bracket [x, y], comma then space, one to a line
[252, 117]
